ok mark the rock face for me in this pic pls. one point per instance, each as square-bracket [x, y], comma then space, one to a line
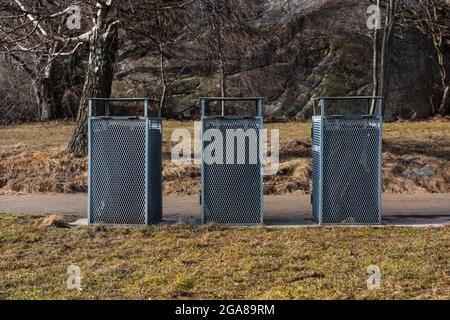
[310, 49]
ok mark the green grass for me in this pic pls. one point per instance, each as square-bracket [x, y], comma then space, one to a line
[209, 262]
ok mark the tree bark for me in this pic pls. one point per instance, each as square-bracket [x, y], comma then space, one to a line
[44, 94]
[444, 107]
[223, 84]
[223, 88]
[162, 70]
[434, 26]
[375, 69]
[42, 87]
[385, 65]
[103, 48]
[163, 80]
[162, 66]
[44, 99]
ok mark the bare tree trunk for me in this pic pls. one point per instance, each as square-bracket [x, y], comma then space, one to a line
[432, 19]
[44, 94]
[42, 88]
[223, 86]
[444, 107]
[162, 67]
[163, 79]
[385, 65]
[99, 76]
[44, 100]
[375, 70]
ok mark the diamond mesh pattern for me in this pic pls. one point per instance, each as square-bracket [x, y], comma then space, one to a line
[232, 193]
[346, 170]
[118, 171]
[316, 164]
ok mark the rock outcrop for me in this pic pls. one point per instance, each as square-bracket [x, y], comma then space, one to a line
[310, 48]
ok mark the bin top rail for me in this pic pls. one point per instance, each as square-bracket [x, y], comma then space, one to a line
[259, 101]
[321, 102]
[107, 102]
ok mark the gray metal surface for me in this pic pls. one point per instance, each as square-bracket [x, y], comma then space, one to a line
[232, 193]
[347, 168]
[125, 163]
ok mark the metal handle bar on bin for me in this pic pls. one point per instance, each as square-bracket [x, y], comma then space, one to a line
[258, 101]
[108, 100]
[322, 104]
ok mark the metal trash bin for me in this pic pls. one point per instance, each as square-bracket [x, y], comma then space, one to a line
[125, 166]
[232, 189]
[347, 160]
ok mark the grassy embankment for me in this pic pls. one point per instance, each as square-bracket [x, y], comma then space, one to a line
[32, 159]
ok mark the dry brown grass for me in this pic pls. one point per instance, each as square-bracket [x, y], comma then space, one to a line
[430, 141]
[46, 171]
[208, 262]
[53, 220]
[32, 159]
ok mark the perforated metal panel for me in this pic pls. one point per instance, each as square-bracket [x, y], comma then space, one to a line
[347, 169]
[154, 169]
[125, 163]
[317, 168]
[232, 190]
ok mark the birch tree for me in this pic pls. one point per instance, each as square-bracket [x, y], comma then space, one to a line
[382, 51]
[29, 37]
[102, 39]
[38, 28]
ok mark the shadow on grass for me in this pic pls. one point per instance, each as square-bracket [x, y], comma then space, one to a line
[436, 149]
